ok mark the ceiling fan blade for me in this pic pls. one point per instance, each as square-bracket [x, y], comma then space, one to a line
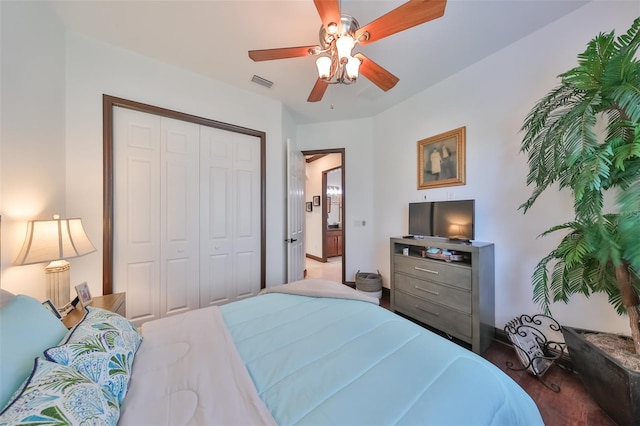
[318, 90]
[374, 72]
[329, 11]
[410, 14]
[280, 53]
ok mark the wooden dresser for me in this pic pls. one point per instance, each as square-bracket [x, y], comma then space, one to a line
[456, 298]
[112, 302]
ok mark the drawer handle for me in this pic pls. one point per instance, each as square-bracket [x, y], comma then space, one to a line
[426, 310]
[425, 270]
[427, 290]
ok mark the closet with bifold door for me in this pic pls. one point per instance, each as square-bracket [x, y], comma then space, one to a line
[187, 225]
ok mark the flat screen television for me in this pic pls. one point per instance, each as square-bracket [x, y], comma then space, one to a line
[447, 219]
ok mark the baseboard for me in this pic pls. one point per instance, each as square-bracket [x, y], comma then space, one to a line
[316, 258]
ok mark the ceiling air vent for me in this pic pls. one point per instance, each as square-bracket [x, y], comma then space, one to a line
[262, 81]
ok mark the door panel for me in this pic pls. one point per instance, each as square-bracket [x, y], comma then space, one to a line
[230, 232]
[136, 207]
[179, 228]
[144, 301]
[295, 213]
[187, 214]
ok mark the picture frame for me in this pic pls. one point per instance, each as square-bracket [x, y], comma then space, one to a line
[441, 159]
[84, 294]
[309, 206]
[316, 200]
[48, 304]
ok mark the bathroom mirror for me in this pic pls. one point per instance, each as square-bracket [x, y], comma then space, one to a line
[334, 199]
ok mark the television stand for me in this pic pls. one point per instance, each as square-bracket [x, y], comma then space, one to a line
[456, 298]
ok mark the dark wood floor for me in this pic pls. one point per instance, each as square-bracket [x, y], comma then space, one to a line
[571, 406]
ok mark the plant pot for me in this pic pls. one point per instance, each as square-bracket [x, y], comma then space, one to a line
[615, 388]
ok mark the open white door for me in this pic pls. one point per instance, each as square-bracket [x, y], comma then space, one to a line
[295, 213]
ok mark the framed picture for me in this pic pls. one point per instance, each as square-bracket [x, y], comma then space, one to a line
[309, 206]
[51, 308]
[441, 160]
[83, 294]
[316, 200]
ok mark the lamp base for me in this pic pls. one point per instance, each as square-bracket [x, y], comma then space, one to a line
[58, 273]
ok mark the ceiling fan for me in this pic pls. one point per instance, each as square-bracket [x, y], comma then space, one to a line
[340, 33]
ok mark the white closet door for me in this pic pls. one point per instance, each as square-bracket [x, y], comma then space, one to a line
[156, 250]
[230, 216]
[179, 216]
[137, 242]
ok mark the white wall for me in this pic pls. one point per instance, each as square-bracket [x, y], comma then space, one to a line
[355, 136]
[32, 133]
[95, 68]
[492, 98]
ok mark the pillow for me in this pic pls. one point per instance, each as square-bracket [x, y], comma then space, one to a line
[95, 320]
[57, 394]
[102, 347]
[26, 329]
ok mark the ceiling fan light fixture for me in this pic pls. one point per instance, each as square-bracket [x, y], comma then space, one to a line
[336, 64]
[323, 63]
[352, 68]
[344, 44]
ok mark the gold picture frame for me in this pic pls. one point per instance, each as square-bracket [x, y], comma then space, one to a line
[441, 159]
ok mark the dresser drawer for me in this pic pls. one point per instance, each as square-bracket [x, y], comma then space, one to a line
[456, 275]
[448, 320]
[445, 295]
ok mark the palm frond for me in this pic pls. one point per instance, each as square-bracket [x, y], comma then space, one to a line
[558, 285]
[540, 281]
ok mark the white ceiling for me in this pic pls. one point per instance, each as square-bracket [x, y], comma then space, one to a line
[212, 38]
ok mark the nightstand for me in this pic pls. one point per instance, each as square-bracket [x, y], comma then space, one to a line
[112, 302]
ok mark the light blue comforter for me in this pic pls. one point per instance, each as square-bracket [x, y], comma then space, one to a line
[327, 361]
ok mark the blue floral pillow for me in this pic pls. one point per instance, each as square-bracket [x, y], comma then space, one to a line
[96, 319]
[58, 394]
[102, 347]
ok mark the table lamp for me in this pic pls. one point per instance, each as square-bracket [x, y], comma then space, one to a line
[455, 231]
[54, 241]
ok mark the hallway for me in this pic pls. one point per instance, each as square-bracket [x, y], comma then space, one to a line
[332, 270]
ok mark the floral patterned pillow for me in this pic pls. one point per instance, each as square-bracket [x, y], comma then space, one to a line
[96, 319]
[102, 347]
[58, 394]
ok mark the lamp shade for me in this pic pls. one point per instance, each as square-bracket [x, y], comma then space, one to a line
[344, 45]
[56, 239]
[352, 67]
[323, 63]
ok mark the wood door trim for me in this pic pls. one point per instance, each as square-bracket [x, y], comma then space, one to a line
[108, 103]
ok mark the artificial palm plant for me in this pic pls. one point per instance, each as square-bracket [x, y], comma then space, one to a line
[584, 135]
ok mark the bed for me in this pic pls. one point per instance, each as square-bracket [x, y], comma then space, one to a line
[310, 352]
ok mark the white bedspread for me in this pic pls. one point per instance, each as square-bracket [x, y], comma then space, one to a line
[188, 371]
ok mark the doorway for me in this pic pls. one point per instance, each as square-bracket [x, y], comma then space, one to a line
[325, 224]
